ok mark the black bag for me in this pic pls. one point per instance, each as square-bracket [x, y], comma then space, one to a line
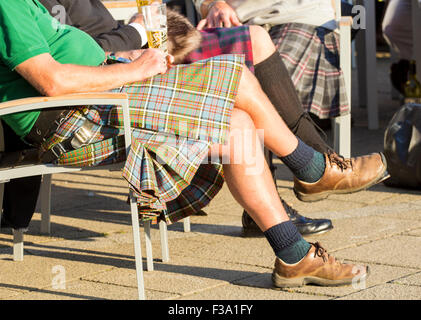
[402, 147]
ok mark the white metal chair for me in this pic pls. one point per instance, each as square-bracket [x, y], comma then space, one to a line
[120, 10]
[342, 124]
[118, 99]
[365, 44]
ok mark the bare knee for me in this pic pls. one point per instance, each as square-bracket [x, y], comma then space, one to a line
[241, 120]
[261, 43]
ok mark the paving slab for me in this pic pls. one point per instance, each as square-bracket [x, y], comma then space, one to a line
[354, 231]
[398, 210]
[41, 269]
[415, 233]
[252, 251]
[414, 279]
[387, 292]
[8, 294]
[182, 275]
[237, 292]
[82, 290]
[400, 251]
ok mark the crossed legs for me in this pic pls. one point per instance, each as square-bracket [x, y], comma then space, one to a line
[248, 177]
[253, 110]
[276, 83]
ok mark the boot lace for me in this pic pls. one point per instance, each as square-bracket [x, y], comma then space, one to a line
[320, 251]
[338, 160]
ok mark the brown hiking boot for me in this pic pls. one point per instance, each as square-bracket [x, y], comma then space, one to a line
[343, 176]
[317, 267]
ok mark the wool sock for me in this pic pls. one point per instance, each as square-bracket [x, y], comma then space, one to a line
[276, 82]
[287, 242]
[305, 163]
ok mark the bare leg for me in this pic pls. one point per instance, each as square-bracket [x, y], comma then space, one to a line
[275, 81]
[261, 43]
[254, 189]
[251, 99]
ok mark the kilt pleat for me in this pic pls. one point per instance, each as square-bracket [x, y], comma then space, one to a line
[175, 119]
[311, 55]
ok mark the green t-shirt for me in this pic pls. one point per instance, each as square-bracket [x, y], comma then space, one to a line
[28, 30]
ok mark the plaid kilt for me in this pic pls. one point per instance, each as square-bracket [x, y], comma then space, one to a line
[175, 119]
[218, 41]
[311, 55]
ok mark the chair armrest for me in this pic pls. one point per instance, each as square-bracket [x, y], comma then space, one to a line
[36, 103]
[71, 100]
[345, 21]
[121, 10]
[80, 99]
[119, 4]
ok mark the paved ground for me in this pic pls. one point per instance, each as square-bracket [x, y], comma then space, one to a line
[91, 241]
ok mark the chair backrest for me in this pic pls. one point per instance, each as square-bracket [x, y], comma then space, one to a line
[37, 103]
[121, 10]
[1, 137]
[338, 10]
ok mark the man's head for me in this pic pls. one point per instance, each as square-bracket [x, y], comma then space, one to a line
[183, 37]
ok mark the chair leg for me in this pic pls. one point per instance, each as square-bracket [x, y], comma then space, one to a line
[148, 243]
[164, 241]
[1, 200]
[137, 247]
[45, 197]
[17, 234]
[342, 135]
[17, 245]
[186, 224]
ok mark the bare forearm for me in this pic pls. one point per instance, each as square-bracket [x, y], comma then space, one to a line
[52, 78]
[74, 78]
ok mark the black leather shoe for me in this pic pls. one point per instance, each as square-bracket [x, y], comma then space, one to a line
[305, 226]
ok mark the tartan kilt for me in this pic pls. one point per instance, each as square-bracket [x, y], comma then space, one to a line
[311, 55]
[175, 118]
[218, 41]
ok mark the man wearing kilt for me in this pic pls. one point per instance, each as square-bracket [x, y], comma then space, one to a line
[253, 42]
[181, 116]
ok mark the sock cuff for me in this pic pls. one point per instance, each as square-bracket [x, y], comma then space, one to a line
[314, 170]
[274, 58]
[282, 235]
[300, 157]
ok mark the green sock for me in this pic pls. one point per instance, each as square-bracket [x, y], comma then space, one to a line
[314, 170]
[287, 243]
[305, 163]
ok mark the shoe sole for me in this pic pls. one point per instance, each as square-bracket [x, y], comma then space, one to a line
[281, 282]
[323, 195]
